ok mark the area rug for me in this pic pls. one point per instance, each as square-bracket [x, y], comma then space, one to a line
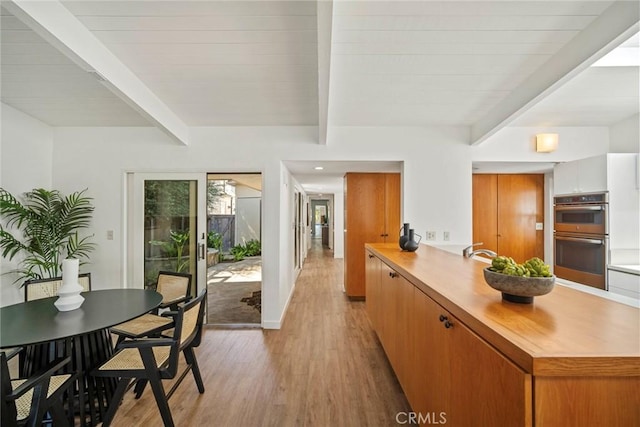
[255, 300]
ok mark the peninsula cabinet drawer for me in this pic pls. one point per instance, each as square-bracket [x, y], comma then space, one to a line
[587, 401]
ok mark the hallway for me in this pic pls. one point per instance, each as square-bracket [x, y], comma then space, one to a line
[325, 367]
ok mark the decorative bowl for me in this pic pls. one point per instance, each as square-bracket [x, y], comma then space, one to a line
[519, 289]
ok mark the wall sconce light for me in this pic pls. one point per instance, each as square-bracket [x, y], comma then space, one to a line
[546, 142]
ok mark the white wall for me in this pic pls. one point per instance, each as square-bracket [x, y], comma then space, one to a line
[26, 148]
[436, 177]
[338, 225]
[437, 182]
[625, 135]
[248, 214]
[518, 144]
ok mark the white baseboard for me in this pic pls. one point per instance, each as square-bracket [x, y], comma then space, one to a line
[277, 324]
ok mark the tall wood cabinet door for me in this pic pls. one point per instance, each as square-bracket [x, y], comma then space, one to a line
[364, 223]
[485, 210]
[520, 207]
[486, 388]
[392, 201]
[374, 302]
[430, 378]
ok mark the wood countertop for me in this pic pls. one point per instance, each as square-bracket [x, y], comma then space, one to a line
[563, 333]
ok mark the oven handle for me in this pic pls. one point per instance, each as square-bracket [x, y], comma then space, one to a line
[580, 208]
[581, 240]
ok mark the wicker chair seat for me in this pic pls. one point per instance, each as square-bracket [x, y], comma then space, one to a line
[142, 325]
[175, 289]
[129, 359]
[23, 403]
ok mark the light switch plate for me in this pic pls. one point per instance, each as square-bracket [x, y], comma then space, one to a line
[539, 226]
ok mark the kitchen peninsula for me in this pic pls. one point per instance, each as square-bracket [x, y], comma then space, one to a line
[570, 358]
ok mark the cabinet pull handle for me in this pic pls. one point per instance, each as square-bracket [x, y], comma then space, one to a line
[393, 274]
[448, 324]
[370, 256]
[443, 318]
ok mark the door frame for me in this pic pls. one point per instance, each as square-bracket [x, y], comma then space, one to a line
[134, 262]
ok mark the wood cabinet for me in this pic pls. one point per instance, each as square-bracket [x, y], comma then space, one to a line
[481, 378]
[396, 307]
[466, 358]
[372, 215]
[444, 369]
[373, 304]
[425, 391]
[506, 209]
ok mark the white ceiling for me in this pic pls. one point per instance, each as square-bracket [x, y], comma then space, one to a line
[330, 178]
[367, 62]
[39, 80]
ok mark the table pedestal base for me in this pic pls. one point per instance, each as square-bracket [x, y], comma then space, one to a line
[92, 395]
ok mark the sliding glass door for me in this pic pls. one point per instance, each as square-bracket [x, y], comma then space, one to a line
[168, 225]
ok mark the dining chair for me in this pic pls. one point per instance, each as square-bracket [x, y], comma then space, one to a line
[26, 401]
[175, 289]
[45, 288]
[155, 359]
[40, 354]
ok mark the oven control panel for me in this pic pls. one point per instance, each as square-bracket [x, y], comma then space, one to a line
[581, 199]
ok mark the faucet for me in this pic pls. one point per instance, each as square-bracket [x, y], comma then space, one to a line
[468, 252]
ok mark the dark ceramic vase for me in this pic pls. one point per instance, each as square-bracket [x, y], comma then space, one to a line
[411, 245]
[405, 235]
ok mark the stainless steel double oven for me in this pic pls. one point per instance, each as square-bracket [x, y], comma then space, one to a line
[581, 238]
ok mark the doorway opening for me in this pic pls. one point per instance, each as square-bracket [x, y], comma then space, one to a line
[234, 248]
[322, 220]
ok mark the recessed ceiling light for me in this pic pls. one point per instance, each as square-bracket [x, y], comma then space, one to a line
[318, 168]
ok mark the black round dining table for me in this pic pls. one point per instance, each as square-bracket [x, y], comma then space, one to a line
[83, 333]
[39, 321]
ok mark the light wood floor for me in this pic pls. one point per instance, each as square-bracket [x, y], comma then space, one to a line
[325, 367]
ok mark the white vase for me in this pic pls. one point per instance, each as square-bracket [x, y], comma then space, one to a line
[69, 297]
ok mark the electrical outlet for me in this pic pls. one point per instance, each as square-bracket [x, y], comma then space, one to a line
[109, 234]
[445, 236]
[431, 235]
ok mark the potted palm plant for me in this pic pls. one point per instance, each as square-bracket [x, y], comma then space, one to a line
[44, 229]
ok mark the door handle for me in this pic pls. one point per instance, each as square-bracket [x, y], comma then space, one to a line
[201, 251]
[580, 208]
[581, 240]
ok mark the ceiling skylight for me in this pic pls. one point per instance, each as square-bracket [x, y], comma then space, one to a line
[625, 55]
